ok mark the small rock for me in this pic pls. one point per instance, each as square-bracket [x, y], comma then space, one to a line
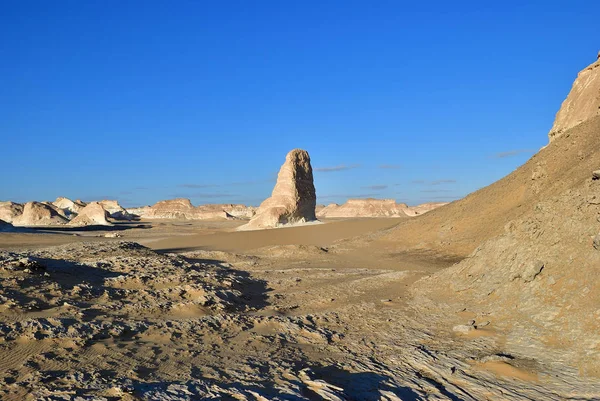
[463, 328]
[596, 242]
[532, 269]
[386, 300]
[596, 175]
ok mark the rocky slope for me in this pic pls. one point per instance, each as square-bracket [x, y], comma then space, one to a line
[459, 227]
[374, 208]
[293, 199]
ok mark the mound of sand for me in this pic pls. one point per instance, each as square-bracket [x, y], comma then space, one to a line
[91, 215]
[115, 210]
[10, 210]
[39, 214]
[293, 199]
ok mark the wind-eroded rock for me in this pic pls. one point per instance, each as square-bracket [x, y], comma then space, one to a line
[183, 209]
[66, 204]
[115, 210]
[293, 199]
[91, 215]
[582, 103]
[39, 214]
[365, 208]
[10, 210]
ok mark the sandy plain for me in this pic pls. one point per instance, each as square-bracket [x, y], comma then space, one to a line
[199, 310]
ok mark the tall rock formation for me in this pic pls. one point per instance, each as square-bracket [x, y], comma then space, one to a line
[293, 199]
[582, 103]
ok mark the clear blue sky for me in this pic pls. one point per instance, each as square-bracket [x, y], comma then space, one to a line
[146, 100]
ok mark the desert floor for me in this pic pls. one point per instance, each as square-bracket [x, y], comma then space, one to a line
[206, 311]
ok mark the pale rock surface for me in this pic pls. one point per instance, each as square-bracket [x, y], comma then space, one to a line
[115, 210]
[582, 103]
[179, 208]
[91, 215]
[365, 208]
[69, 206]
[141, 211]
[293, 199]
[39, 214]
[10, 210]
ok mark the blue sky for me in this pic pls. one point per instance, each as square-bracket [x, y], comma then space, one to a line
[143, 101]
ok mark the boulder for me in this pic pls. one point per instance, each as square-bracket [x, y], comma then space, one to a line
[582, 103]
[39, 214]
[293, 199]
[91, 215]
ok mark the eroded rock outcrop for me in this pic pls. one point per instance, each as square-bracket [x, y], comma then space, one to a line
[374, 208]
[293, 199]
[183, 209]
[179, 208]
[10, 210]
[365, 208]
[115, 210]
[69, 206]
[582, 103]
[91, 215]
[39, 214]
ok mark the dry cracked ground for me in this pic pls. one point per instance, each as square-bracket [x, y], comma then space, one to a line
[114, 320]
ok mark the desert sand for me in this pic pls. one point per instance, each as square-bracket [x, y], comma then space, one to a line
[492, 297]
